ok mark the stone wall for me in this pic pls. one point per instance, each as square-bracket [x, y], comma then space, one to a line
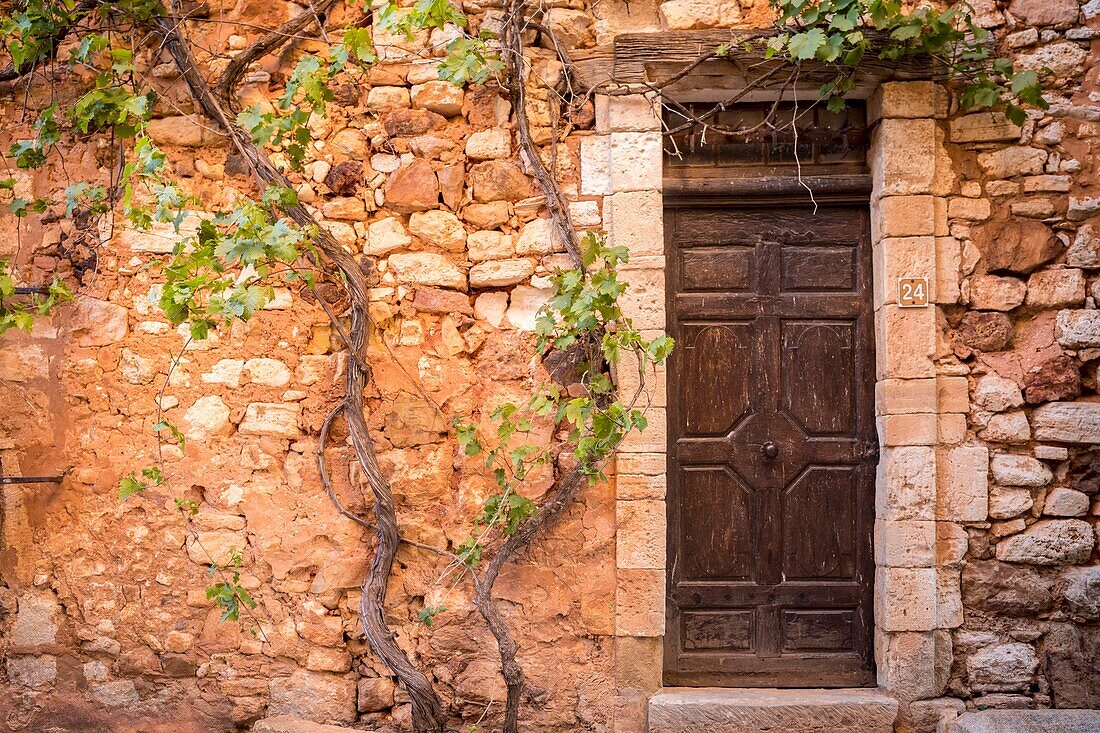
[988, 426]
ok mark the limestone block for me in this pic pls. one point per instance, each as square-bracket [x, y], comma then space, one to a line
[898, 257]
[640, 602]
[635, 220]
[268, 372]
[905, 599]
[997, 394]
[97, 322]
[903, 216]
[640, 534]
[386, 235]
[644, 301]
[905, 396]
[488, 144]
[595, 165]
[491, 307]
[207, 417]
[1006, 590]
[327, 659]
[629, 486]
[1014, 161]
[274, 419]
[315, 696]
[1082, 208]
[1063, 502]
[1077, 329]
[572, 28]
[633, 113]
[992, 292]
[1056, 288]
[412, 188]
[1047, 183]
[1016, 470]
[498, 273]
[962, 484]
[31, 671]
[1049, 542]
[913, 665]
[117, 694]
[635, 161]
[1063, 59]
[27, 363]
[135, 368]
[375, 694]
[907, 100]
[952, 542]
[585, 214]
[906, 155]
[1002, 668]
[427, 268]
[1022, 721]
[312, 368]
[905, 544]
[483, 246]
[949, 608]
[948, 268]
[651, 440]
[969, 209]
[899, 430]
[906, 339]
[907, 481]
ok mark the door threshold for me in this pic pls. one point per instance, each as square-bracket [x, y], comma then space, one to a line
[760, 710]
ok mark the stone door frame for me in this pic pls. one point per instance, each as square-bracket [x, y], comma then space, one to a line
[921, 412]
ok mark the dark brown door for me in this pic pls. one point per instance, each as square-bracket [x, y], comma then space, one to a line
[771, 446]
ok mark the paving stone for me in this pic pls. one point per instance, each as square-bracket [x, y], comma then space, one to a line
[1027, 721]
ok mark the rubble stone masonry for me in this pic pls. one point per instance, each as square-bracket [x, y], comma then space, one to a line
[988, 495]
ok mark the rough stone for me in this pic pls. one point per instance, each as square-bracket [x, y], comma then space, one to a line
[1063, 502]
[97, 322]
[31, 671]
[1085, 250]
[1002, 668]
[438, 228]
[187, 131]
[992, 292]
[1006, 503]
[524, 304]
[1082, 592]
[215, 547]
[1009, 590]
[441, 97]
[412, 188]
[1068, 422]
[1056, 288]
[692, 14]
[1017, 246]
[1057, 378]
[489, 144]
[36, 622]
[496, 180]
[375, 694]
[273, 419]
[985, 331]
[1007, 427]
[1039, 12]
[997, 394]
[1015, 470]
[386, 235]
[268, 372]
[1049, 542]
[982, 127]
[427, 268]
[434, 300]
[1077, 329]
[315, 696]
[207, 417]
[383, 99]
[498, 273]
[412, 122]
[1014, 161]
[1027, 721]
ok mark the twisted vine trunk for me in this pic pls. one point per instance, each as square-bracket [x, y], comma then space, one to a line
[427, 709]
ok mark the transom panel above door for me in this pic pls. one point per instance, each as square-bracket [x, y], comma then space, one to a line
[771, 444]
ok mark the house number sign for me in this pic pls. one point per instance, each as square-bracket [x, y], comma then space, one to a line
[912, 292]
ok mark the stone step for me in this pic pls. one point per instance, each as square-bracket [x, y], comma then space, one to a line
[758, 710]
[1027, 721]
[289, 724]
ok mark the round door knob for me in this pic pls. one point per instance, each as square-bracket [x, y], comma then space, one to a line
[769, 449]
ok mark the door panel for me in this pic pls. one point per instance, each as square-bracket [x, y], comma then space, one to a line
[771, 446]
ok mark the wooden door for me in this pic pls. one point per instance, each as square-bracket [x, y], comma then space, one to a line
[772, 446]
